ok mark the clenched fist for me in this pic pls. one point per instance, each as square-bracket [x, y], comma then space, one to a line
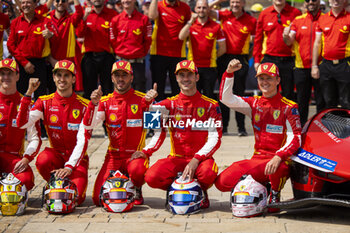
[33, 85]
[233, 66]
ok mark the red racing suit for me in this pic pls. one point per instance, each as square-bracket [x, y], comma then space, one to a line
[123, 116]
[277, 131]
[12, 139]
[61, 117]
[195, 127]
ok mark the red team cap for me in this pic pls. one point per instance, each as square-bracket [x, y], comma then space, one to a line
[122, 65]
[268, 68]
[65, 65]
[186, 65]
[9, 64]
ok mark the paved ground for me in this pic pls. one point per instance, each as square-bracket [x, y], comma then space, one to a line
[152, 216]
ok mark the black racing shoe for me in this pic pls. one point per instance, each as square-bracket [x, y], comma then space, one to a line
[275, 197]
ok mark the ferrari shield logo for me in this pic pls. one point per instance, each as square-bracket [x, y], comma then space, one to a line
[117, 184]
[9, 187]
[200, 112]
[76, 113]
[59, 183]
[134, 108]
[242, 187]
[182, 186]
[276, 114]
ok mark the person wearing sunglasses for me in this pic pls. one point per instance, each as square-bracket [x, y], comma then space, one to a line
[334, 71]
[60, 27]
[269, 45]
[302, 33]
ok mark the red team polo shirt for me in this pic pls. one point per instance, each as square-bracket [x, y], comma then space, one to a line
[202, 46]
[268, 38]
[165, 37]
[4, 24]
[335, 35]
[26, 39]
[237, 31]
[304, 27]
[131, 37]
[63, 42]
[95, 31]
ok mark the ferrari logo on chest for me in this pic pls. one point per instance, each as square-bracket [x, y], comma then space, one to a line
[200, 112]
[76, 113]
[276, 114]
[134, 108]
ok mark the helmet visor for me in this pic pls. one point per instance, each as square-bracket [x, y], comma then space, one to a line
[59, 196]
[10, 197]
[115, 195]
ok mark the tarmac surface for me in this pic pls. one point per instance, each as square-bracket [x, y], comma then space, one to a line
[152, 216]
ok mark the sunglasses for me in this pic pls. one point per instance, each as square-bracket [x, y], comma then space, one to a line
[279, 18]
[307, 1]
[63, 1]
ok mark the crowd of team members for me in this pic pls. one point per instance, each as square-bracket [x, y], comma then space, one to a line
[95, 37]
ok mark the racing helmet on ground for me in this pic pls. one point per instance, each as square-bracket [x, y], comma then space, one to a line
[117, 193]
[13, 195]
[60, 196]
[185, 196]
[248, 198]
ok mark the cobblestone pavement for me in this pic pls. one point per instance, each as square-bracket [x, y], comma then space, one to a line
[152, 217]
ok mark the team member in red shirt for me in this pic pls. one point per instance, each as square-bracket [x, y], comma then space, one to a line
[239, 28]
[131, 39]
[167, 49]
[4, 25]
[62, 41]
[12, 158]
[194, 123]
[276, 126]
[206, 43]
[27, 44]
[334, 71]
[269, 45]
[302, 34]
[98, 53]
[61, 112]
[123, 112]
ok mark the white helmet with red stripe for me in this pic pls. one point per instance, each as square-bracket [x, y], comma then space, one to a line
[248, 198]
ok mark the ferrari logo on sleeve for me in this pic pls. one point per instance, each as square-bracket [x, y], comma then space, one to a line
[134, 108]
[76, 113]
[200, 112]
[276, 114]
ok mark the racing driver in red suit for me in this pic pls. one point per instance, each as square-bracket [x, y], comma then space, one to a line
[61, 112]
[192, 143]
[277, 130]
[123, 112]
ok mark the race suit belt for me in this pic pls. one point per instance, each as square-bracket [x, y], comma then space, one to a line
[134, 60]
[337, 61]
[279, 58]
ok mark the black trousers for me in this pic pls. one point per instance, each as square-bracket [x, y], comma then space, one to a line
[40, 72]
[285, 66]
[207, 80]
[304, 83]
[160, 67]
[335, 83]
[139, 82]
[238, 87]
[97, 66]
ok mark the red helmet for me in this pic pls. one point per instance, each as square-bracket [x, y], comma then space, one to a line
[60, 195]
[117, 193]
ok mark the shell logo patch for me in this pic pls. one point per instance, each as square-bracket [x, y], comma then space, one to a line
[276, 114]
[53, 118]
[113, 117]
[200, 112]
[257, 117]
[76, 113]
[178, 117]
[134, 108]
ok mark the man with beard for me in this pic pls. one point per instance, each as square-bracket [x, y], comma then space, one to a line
[334, 71]
[98, 53]
[206, 43]
[167, 49]
[239, 29]
[302, 33]
[269, 45]
[192, 145]
[123, 112]
[29, 47]
[61, 29]
[131, 39]
[12, 158]
[61, 112]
